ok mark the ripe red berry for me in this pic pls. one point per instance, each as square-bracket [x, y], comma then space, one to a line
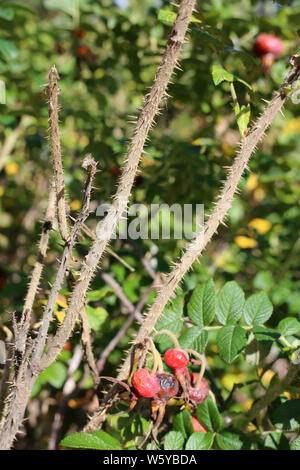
[145, 383]
[83, 50]
[267, 44]
[198, 426]
[168, 386]
[175, 358]
[198, 393]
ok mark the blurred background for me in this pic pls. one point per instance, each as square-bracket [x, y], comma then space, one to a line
[106, 53]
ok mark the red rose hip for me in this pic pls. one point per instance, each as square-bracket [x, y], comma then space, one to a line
[145, 383]
[197, 425]
[198, 393]
[267, 44]
[175, 358]
[168, 386]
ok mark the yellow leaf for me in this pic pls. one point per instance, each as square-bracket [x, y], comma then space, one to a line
[61, 301]
[1, 191]
[262, 226]
[292, 127]
[252, 182]
[259, 194]
[197, 141]
[245, 242]
[246, 405]
[11, 168]
[228, 150]
[60, 316]
[75, 205]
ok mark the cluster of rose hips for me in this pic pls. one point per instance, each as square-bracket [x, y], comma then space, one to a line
[165, 388]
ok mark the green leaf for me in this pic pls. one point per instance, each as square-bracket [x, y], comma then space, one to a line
[231, 340]
[182, 422]
[287, 415]
[265, 334]
[194, 338]
[202, 304]
[96, 317]
[230, 303]
[171, 319]
[209, 416]
[95, 295]
[174, 440]
[96, 440]
[243, 118]
[168, 17]
[200, 441]
[289, 326]
[55, 374]
[256, 351]
[219, 75]
[277, 441]
[8, 49]
[229, 441]
[295, 445]
[258, 309]
[6, 13]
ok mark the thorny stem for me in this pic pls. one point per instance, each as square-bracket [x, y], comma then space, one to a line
[53, 92]
[108, 225]
[217, 217]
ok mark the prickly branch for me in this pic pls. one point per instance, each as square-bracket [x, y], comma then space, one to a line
[108, 225]
[203, 237]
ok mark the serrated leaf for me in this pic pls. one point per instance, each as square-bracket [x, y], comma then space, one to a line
[194, 338]
[229, 441]
[200, 441]
[289, 326]
[287, 415]
[209, 416]
[202, 304]
[231, 340]
[174, 440]
[96, 440]
[182, 422]
[219, 75]
[258, 309]
[230, 303]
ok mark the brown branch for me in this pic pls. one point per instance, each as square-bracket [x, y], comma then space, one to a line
[11, 139]
[108, 225]
[53, 92]
[113, 343]
[27, 373]
[87, 346]
[88, 163]
[23, 326]
[196, 247]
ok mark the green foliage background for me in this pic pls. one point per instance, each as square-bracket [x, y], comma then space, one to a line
[195, 138]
